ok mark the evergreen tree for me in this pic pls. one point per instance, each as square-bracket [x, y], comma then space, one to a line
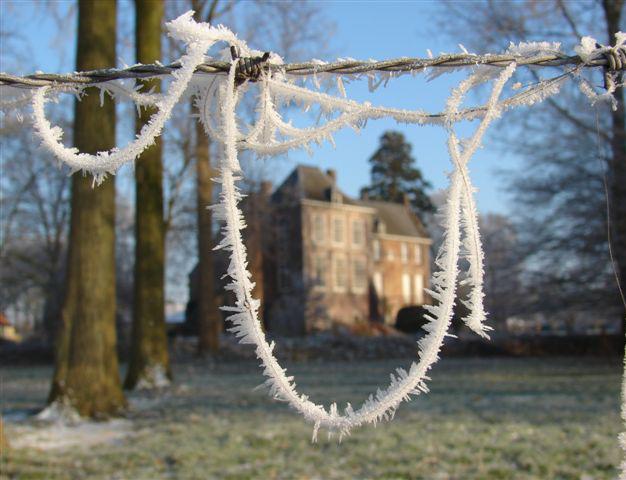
[86, 375]
[395, 175]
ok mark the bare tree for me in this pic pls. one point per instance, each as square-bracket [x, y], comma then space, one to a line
[503, 263]
[294, 29]
[35, 201]
[567, 148]
[207, 314]
[149, 361]
[34, 221]
[86, 375]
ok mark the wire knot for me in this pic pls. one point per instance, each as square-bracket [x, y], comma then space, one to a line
[248, 68]
[615, 57]
[615, 64]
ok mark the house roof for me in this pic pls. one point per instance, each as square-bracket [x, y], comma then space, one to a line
[398, 218]
[308, 182]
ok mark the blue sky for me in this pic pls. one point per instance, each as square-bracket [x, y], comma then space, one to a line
[382, 30]
[378, 30]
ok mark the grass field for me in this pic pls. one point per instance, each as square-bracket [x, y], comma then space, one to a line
[484, 419]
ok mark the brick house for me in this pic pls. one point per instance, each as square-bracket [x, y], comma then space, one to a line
[329, 259]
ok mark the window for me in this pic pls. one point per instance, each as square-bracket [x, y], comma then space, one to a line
[340, 274]
[406, 288]
[359, 275]
[418, 254]
[338, 229]
[319, 272]
[390, 255]
[376, 252]
[318, 230]
[378, 284]
[358, 233]
[418, 288]
[404, 253]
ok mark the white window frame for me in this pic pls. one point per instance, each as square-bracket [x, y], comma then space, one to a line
[417, 251]
[406, 288]
[404, 252]
[356, 288]
[338, 218]
[379, 284]
[358, 224]
[418, 288]
[315, 218]
[317, 259]
[337, 268]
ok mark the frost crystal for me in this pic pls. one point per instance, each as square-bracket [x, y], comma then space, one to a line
[271, 134]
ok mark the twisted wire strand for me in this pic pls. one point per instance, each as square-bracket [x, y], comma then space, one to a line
[341, 67]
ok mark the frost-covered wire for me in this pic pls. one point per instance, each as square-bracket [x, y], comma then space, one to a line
[356, 115]
[340, 67]
[247, 326]
[469, 214]
[199, 38]
[590, 50]
[217, 99]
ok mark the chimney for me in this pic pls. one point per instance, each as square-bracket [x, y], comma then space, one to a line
[405, 200]
[365, 194]
[266, 188]
[332, 173]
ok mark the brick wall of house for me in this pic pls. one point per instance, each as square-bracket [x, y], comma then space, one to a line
[320, 258]
[284, 287]
[337, 241]
[334, 260]
[401, 270]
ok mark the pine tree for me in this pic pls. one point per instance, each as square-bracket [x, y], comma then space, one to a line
[149, 361]
[394, 174]
[86, 376]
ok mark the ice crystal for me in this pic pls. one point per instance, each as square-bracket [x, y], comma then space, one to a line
[270, 134]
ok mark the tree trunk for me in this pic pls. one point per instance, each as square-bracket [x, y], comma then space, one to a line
[4, 444]
[208, 315]
[149, 362]
[86, 376]
[617, 167]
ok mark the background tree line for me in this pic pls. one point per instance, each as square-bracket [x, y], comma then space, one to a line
[573, 158]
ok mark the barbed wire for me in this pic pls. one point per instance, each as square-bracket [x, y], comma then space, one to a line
[340, 67]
